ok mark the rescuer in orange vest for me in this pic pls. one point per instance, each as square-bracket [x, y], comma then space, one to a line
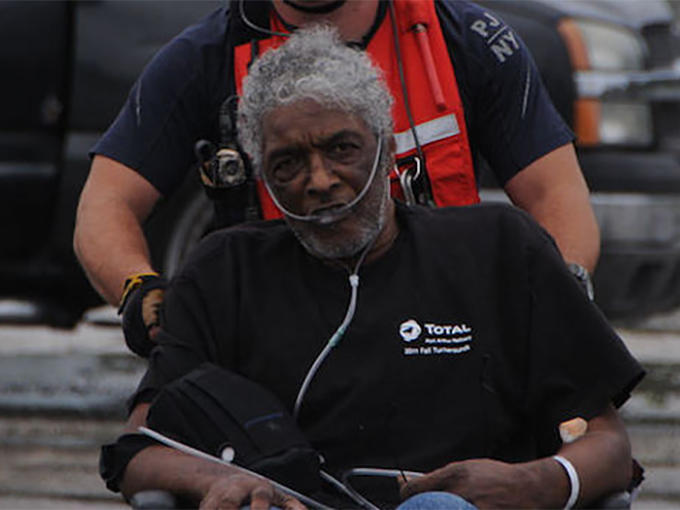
[465, 87]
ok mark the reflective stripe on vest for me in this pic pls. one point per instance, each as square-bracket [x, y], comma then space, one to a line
[428, 132]
[440, 128]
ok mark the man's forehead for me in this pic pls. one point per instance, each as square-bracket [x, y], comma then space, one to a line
[310, 119]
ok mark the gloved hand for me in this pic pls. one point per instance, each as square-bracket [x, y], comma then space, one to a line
[140, 309]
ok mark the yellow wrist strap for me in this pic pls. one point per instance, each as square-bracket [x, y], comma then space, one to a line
[134, 281]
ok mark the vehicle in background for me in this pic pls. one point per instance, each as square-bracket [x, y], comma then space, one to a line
[67, 69]
[611, 68]
[675, 5]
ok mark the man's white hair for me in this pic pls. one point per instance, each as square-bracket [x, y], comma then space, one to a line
[314, 64]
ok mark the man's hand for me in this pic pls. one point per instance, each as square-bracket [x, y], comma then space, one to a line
[233, 492]
[483, 482]
[199, 481]
[601, 457]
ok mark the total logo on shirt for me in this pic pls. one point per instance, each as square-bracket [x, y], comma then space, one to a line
[433, 339]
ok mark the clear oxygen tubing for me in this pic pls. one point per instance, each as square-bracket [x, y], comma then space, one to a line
[387, 473]
[335, 214]
[346, 488]
[348, 491]
[373, 472]
[342, 486]
[339, 333]
[202, 455]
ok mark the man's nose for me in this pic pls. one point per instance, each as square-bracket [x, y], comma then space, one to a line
[322, 178]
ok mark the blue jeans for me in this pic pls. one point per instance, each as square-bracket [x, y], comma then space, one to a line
[426, 501]
[436, 501]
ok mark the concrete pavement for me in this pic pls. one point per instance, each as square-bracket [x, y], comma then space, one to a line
[62, 395]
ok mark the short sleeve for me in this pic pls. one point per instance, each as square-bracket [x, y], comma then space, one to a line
[578, 364]
[171, 106]
[511, 119]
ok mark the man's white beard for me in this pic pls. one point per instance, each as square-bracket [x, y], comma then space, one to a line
[369, 218]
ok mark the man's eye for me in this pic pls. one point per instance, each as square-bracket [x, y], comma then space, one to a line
[285, 170]
[343, 149]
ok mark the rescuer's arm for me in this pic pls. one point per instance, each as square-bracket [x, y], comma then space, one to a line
[601, 458]
[110, 244]
[108, 239]
[521, 135]
[554, 192]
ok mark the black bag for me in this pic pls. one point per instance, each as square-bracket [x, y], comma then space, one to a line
[218, 412]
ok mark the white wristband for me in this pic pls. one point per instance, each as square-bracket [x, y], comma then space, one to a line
[573, 481]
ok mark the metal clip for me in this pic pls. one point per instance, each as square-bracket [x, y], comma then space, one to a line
[406, 180]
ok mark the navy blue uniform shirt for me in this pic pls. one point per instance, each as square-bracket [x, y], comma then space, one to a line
[175, 102]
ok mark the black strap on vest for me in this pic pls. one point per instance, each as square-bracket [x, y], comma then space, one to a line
[417, 181]
[226, 173]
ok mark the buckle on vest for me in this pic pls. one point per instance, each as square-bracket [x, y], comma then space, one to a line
[413, 181]
[407, 178]
[223, 168]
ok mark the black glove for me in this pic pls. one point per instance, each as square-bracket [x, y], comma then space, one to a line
[141, 308]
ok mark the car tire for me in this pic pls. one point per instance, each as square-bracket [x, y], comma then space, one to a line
[192, 224]
[177, 225]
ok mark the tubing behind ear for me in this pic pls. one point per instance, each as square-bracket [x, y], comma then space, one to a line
[226, 415]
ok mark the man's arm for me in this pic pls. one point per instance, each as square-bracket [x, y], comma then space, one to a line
[215, 486]
[108, 239]
[602, 459]
[552, 190]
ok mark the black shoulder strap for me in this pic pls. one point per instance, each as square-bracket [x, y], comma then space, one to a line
[243, 15]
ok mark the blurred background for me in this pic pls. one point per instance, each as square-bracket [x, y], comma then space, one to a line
[612, 68]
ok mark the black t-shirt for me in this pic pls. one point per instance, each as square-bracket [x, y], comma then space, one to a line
[463, 345]
[175, 102]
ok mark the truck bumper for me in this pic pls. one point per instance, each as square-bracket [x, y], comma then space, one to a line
[649, 85]
[636, 199]
[639, 268]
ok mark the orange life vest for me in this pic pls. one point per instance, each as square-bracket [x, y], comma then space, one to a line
[433, 94]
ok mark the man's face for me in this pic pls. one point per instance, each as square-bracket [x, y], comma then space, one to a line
[317, 160]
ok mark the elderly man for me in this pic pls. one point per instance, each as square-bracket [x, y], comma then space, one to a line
[397, 336]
